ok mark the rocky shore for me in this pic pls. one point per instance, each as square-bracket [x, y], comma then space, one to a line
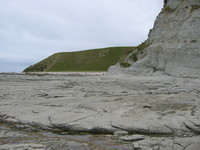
[158, 112]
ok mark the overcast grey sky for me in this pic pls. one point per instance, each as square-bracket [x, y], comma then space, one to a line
[31, 30]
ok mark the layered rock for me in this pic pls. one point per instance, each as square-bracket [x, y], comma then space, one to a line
[164, 111]
[173, 43]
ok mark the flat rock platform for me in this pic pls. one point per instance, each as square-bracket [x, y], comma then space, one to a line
[164, 110]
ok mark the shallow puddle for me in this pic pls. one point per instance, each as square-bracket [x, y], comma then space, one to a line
[62, 141]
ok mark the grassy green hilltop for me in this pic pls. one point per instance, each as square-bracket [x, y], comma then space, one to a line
[88, 60]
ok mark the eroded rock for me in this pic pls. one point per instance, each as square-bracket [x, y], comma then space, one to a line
[117, 133]
[173, 45]
[105, 110]
[30, 146]
[135, 137]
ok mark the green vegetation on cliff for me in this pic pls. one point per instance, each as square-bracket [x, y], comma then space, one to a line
[89, 60]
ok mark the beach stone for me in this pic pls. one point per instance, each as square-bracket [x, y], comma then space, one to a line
[120, 133]
[136, 145]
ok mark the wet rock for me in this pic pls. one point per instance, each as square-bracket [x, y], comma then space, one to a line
[25, 127]
[8, 134]
[170, 114]
[77, 146]
[117, 133]
[135, 137]
[147, 106]
[30, 146]
[167, 143]
[136, 146]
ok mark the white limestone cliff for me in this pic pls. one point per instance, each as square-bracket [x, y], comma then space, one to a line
[173, 43]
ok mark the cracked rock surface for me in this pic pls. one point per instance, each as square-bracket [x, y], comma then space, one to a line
[164, 109]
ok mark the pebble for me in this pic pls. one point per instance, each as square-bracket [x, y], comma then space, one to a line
[136, 145]
[121, 133]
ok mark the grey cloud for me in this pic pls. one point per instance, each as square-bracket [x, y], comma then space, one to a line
[34, 29]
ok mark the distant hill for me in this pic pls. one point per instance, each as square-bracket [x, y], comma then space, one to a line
[88, 60]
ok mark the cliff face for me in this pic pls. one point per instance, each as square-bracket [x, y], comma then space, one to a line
[173, 43]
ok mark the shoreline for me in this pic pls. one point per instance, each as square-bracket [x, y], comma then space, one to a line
[57, 73]
[152, 109]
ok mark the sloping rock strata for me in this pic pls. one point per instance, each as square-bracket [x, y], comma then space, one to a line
[173, 43]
